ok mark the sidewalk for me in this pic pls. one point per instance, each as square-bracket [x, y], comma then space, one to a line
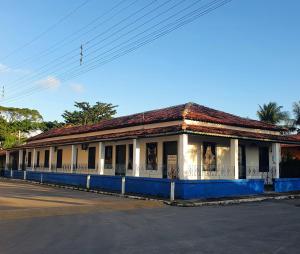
[270, 195]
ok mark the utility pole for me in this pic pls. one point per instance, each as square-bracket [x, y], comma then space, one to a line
[81, 54]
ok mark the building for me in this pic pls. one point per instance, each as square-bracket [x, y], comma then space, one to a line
[291, 151]
[187, 141]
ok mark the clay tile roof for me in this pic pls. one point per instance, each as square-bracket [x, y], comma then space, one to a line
[295, 138]
[142, 133]
[240, 134]
[190, 111]
[205, 114]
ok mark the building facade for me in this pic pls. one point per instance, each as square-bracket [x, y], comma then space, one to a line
[187, 141]
[291, 151]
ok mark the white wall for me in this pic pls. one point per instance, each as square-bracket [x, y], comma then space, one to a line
[194, 157]
[224, 169]
[159, 172]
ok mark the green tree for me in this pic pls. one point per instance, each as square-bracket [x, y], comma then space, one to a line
[46, 126]
[272, 113]
[15, 123]
[19, 114]
[87, 114]
[296, 113]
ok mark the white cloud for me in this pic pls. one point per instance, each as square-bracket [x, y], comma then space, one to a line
[77, 88]
[49, 82]
[6, 69]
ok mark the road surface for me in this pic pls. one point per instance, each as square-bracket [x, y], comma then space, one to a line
[41, 219]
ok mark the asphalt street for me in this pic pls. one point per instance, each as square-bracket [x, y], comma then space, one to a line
[41, 219]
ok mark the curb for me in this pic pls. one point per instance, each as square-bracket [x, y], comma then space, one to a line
[231, 201]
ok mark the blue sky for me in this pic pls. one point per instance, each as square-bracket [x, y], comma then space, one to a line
[241, 55]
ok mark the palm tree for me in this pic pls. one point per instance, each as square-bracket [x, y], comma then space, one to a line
[272, 113]
[296, 112]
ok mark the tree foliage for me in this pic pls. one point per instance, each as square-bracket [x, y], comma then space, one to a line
[16, 123]
[272, 113]
[20, 114]
[89, 114]
[48, 125]
[296, 113]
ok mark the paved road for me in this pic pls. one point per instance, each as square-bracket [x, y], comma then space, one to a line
[40, 219]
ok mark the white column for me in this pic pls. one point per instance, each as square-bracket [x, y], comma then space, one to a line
[33, 158]
[73, 157]
[234, 157]
[200, 162]
[114, 160]
[7, 160]
[276, 157]
[20, 159]
[136, 158]
[51, 152]
[183, 156]
[101, 151]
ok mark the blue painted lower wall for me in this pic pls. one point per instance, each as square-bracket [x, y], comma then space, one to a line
[7, 173]
[33, 176]
[108, 183]
[18, 174]
[198, 189]
[148, 186]
[78, 180]
[286, 184]
[184, 189]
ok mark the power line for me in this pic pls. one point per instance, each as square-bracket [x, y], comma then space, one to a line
[145, 31]
[133, 30]
[46, 31]
[71, 38]
[163, 31]
[29, 77]
[159, 35]
[121, 29]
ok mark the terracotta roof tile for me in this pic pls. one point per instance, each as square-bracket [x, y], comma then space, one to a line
[190, 111]
[122, 135]
[171, 130]
[240, 134]
[205, 114]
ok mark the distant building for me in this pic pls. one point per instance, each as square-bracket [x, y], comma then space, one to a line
[291, 151]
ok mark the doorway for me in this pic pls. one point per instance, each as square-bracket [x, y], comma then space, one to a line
[24, 160]
[120, 160]
[15, 160]
[242, 162]
[170, 159]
